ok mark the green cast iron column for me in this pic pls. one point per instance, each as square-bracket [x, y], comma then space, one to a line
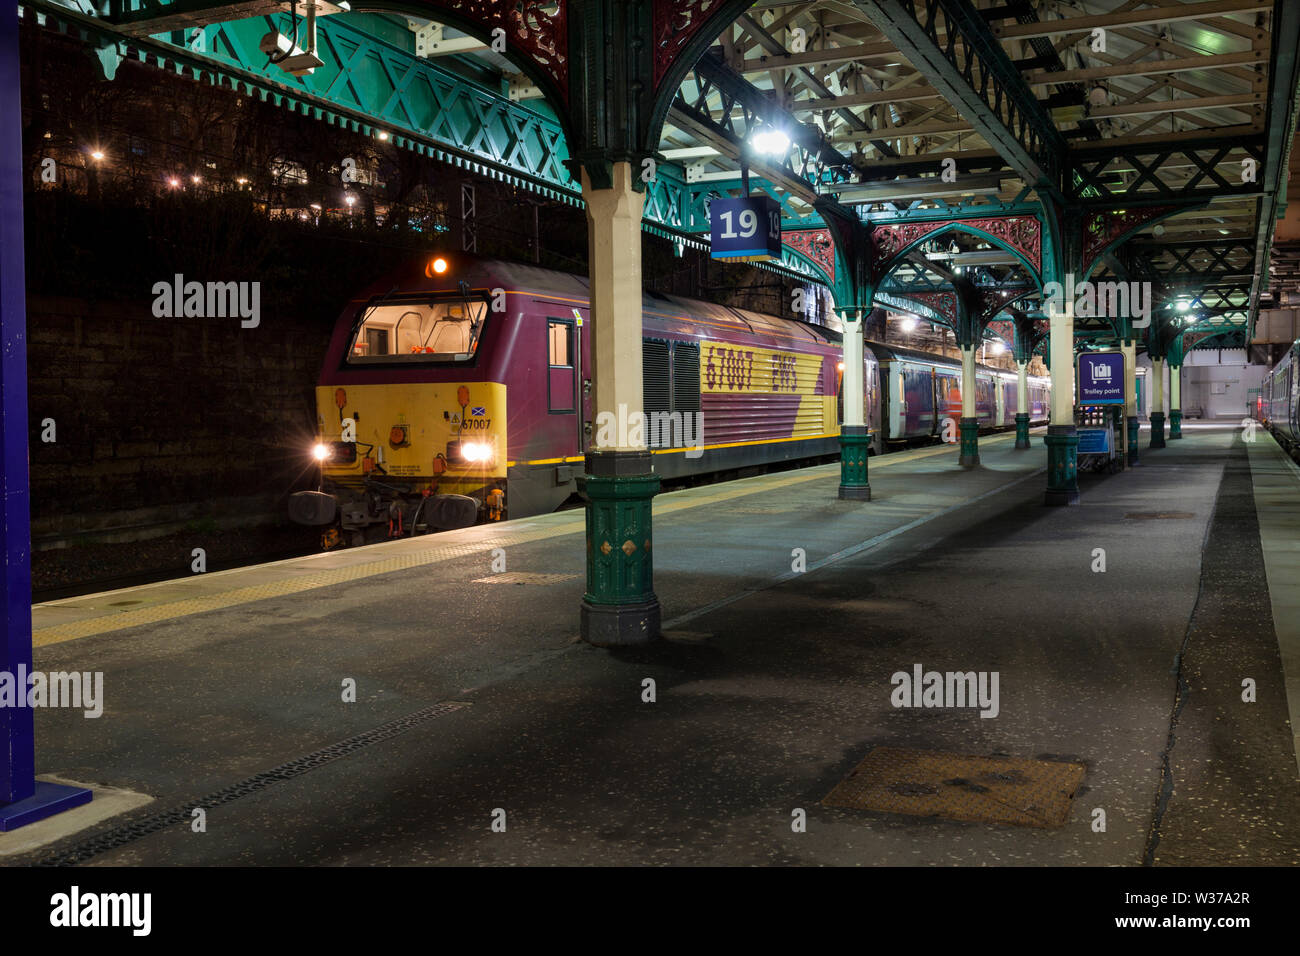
[1175, 400]
[1157, 403]
[1022, 430]
[620, 606]
[1157, 430]
[1062, 464]
[1062, 435]
[855, 436]
[969, 456]
[855, 449]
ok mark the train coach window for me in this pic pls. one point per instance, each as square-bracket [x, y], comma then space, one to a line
[418, 331]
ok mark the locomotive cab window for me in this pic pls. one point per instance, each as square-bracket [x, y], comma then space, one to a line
[418, 331]
[561, 343]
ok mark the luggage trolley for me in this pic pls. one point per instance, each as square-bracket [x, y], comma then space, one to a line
[1097, 425]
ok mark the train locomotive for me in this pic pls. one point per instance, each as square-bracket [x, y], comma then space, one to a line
[458, 390]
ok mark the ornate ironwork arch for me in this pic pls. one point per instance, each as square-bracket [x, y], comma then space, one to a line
[1019, 235]
[816, 247]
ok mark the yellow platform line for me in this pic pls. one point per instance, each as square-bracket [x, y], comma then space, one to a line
[411, 553]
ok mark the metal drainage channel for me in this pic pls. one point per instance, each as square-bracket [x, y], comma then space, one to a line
[130, 832]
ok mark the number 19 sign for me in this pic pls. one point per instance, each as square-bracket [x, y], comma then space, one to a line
[748, 228]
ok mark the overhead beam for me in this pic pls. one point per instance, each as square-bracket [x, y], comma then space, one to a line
[920, 188]
[1166, 13]
[726, 80]
[1018, 128]
[905, 94]
[1148, 68]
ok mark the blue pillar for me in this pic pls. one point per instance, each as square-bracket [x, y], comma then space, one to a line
[22, 799]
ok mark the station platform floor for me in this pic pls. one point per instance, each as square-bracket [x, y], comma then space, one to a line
[474, 695]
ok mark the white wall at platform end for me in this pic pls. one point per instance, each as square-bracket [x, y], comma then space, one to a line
[1219, 390]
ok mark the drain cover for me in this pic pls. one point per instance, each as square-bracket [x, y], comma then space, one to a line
[926, 783]
[1152, 515]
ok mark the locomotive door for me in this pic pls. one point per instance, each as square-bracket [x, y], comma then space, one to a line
[562, 372]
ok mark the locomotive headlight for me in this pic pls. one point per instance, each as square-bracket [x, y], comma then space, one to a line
[320, 452]
[471, 452]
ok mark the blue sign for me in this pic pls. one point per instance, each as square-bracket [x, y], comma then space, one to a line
[1101, 378]
[1094, 441]
[748, 228]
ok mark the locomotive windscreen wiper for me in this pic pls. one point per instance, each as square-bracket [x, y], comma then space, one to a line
[365, 317]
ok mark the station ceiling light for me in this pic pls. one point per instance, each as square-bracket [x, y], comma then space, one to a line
[771, 142]
[908, 324]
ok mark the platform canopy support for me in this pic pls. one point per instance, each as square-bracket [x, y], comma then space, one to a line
[1132, 429]
[619, 606]
[1062, 435]
[854, 292]
[626, 64]
[1157, 402]
[1022, 404]
[855, 435]
[1175, 401]
[1026, 339]
[23, 799]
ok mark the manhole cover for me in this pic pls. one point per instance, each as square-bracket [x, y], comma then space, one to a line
[925, 783]
[1154, 515]
[524, 577]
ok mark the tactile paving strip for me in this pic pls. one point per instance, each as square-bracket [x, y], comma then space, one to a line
[927, 783]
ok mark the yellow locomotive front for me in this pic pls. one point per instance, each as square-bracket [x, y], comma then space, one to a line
[405, 443]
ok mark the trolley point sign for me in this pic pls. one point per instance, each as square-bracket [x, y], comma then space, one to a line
[747, 228]
[1101, 378]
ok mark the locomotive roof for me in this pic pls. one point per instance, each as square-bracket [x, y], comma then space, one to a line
[682, 313]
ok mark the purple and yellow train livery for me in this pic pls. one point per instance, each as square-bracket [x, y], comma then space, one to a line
[458, 390]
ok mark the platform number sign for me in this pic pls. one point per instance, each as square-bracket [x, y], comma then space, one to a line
[1101, 378]
[747, 228]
